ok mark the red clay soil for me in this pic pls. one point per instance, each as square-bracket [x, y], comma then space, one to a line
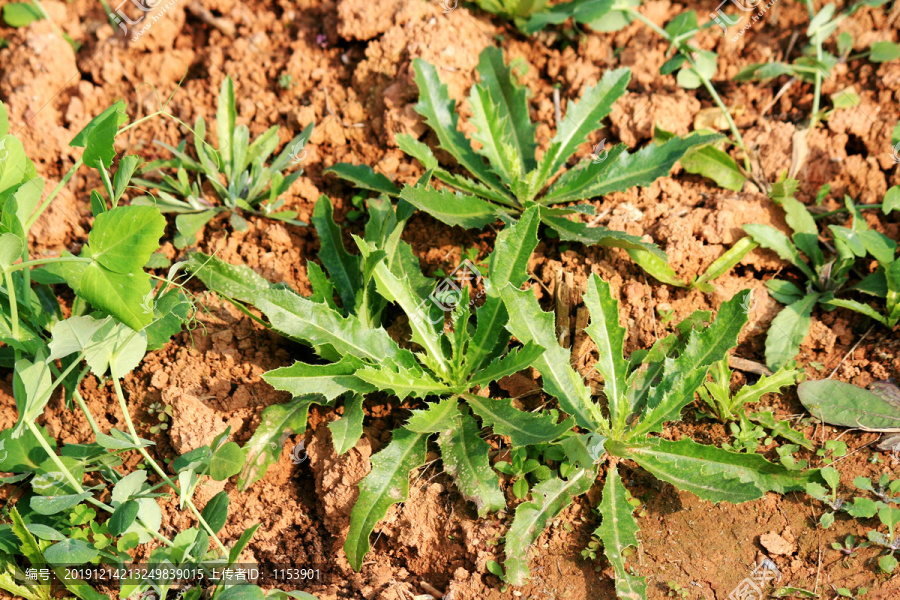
[349, 64]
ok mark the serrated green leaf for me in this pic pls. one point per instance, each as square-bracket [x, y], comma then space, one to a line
[549, 498]
[346, 431]
[343, 267]
[514, 361]
[618, 531]
[788, 330]
[609, 336]
[440, 114]
[530, 324]
[449, 207]
[396, 290]
[276, 424]
[317, 325]
[436, 418]
[523, 428]
[403, 382]
[465, 458]
[331, 380]
[581, 118]
[512, 102]
[682, 376]
[508, 265]
[386, 484]
[712, 473]
[233, 281]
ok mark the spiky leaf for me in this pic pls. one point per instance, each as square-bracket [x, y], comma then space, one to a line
[530, 324]
[618, 531]
[331, 380]
[465, 457]
[386, 484]
[523, 428]
[712, 473]
[549, 498]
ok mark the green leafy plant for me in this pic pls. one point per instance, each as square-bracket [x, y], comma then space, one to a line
[513, 179]
[22, 14]
[343, 296]
[520, 467]
[728, 407]
[236, 172]
[816, 63]
[115, 317]
[455, 358]
[641, 394]
[825, 272]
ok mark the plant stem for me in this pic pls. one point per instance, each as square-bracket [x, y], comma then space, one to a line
[43, 261]
[31, 220]
[686, 50]
[76, 485]
[159, 471]
[844, 209]
[13, 305]
[817, 92]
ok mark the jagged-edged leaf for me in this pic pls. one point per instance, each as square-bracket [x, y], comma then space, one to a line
[769, 237]
[549, 498]
[508, 265]
[626, 170]
[493, 133]
[436, 418]
[364, 177]
[318, 325]
[347, 430]
[512, 103]
[331, 380]
[788, 330]
[581, 119]
[386, 484]
[609, 336]
[618, 531]
[576, 231]
[343, 267]
[440, 114]
[403, 382]
[451, 208]
[683, 375]
[238, 282]
[712, 473]
[523, 428]
[397, 290]
[516, 360]
[846, 405]
[276, 423]
[530, 324]
[860, 308]
[465, 457]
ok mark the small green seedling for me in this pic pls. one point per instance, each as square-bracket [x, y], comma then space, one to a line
[728, 408]
[850, 547]
[237, 172]
[825, 272]
[816, 64]
[519, 468]
[163, 413]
